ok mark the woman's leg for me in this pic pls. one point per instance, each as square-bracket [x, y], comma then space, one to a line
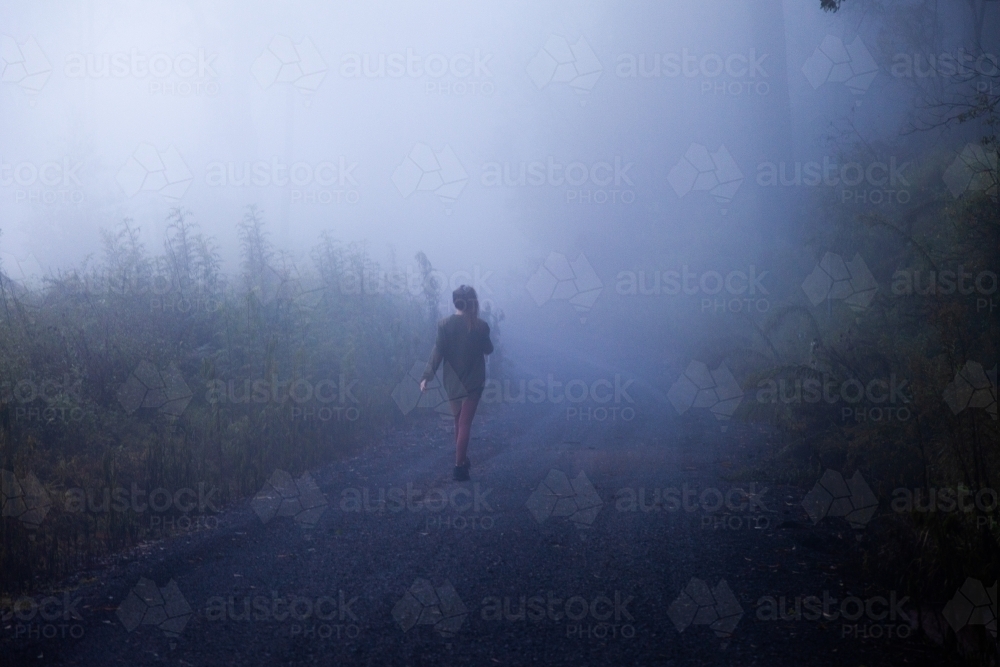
[456, 411]
[463, 427]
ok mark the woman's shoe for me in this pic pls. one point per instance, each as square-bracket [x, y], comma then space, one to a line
[462, 473]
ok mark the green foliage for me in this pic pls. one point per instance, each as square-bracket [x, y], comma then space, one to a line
[83, 334]
[922, 336]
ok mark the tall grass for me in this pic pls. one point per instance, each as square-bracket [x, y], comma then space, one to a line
[82, 334]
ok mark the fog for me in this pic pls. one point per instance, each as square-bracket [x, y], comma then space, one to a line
[204, 82]
[653, 191]
[361, 88]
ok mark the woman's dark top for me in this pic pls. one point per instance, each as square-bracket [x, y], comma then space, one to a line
[462, 352]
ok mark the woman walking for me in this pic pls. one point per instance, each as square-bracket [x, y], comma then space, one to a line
[462, 342]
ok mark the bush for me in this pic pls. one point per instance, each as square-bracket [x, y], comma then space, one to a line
[160, 371]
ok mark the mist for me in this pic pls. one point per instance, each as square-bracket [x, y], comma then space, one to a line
[725, 246]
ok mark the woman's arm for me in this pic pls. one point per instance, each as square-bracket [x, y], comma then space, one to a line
[487, 343]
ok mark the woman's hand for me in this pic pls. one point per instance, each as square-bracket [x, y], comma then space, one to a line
[423, 385]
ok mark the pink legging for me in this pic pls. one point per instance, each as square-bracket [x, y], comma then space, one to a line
[464, 409]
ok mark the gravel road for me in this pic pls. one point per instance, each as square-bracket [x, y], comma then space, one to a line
[577, 542]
